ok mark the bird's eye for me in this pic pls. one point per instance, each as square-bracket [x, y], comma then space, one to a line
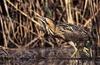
[47, 23]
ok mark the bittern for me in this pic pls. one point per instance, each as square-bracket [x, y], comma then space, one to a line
[72, 34]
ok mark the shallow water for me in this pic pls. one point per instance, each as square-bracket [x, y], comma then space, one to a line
[42, 56]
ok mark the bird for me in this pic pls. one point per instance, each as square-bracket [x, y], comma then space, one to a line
[74, 35]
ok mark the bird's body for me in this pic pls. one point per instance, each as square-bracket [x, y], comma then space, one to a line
[74, 33]
[70, 33]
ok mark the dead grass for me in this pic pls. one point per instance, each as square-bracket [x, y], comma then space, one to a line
[21, 28]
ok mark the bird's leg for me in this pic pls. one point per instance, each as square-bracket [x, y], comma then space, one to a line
[73, 45]
[85, 50]
[52, 45]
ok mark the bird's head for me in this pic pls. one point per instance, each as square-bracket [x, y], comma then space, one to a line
[47, 25]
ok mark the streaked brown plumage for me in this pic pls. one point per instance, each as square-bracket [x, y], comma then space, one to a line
[72, 34]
